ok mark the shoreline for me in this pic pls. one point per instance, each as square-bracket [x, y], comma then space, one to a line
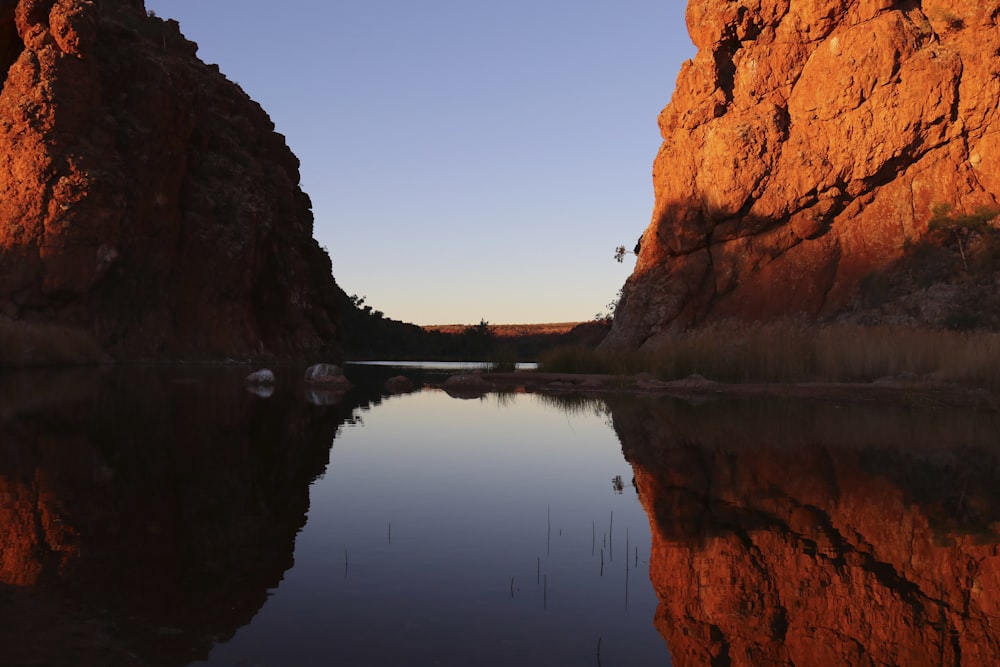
[898, 392]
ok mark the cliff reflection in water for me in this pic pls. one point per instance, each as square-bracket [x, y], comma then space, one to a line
[815, 535]
[148, 510]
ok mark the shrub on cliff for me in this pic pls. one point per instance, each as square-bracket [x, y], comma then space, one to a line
[964, 229]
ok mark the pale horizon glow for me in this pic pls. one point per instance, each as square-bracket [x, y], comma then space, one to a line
[466, 161]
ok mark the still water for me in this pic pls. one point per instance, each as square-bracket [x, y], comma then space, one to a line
[170, 517]
[459, 532]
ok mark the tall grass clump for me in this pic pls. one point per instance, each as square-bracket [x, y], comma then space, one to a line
[794, 351]
[23, 344]
[976, 363]
[735, 352]
[581, 359]
[502, 360]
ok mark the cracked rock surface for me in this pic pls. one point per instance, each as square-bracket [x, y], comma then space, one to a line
[805, 147]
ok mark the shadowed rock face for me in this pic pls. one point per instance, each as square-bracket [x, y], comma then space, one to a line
[819, 536]
[147, 512]
[804, 147]
[145, 198]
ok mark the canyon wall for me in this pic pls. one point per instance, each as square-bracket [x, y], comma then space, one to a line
[806, 146]
[799, 534]
[146, 199]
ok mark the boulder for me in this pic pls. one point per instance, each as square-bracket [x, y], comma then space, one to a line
[398, 384]
[467, 385]
[326, 376]
[262, 377]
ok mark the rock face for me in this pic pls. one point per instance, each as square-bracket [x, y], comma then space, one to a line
[816, 535]
[144, 197]
[805, 147]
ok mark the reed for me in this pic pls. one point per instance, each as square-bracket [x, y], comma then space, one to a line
[793, 351]
[23, 344]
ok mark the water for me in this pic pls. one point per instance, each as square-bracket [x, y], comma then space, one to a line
[465, 532]
[170, 517]
[450, 366]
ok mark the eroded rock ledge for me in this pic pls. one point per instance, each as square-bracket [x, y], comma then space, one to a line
[805, 147]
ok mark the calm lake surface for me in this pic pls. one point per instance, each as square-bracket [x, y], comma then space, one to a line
[459, 532]
[168, 516]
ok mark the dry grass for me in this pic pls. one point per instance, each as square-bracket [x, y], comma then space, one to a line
[790, 351]
[23, 344]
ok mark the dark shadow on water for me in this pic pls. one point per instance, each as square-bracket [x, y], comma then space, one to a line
[798, 533]
[146, 512]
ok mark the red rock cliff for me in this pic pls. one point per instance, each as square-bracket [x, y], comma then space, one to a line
[144, 197]
[804, 147]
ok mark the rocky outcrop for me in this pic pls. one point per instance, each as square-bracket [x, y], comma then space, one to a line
[805, 147]
[145, 198]
[814, 535]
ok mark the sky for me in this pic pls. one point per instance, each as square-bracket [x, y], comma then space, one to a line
[466, 160]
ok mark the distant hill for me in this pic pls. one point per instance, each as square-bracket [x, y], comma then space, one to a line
[511, 330]
[369, 334]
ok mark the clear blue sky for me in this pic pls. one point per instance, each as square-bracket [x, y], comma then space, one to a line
[466, 160]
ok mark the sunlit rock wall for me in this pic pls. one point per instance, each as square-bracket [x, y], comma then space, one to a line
[804, 147]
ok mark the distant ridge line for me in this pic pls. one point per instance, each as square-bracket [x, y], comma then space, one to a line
[504, 330]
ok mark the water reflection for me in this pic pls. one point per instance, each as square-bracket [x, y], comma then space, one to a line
[459, 532]
[146, 513]
[798, 534]
[171, 517]
[159, 517]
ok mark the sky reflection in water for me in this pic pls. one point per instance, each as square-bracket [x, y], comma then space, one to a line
[462, 532]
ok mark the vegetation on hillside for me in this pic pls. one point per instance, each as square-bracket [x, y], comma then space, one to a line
[948, 279]
[369, 335]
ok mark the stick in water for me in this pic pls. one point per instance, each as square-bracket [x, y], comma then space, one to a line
[611, 537]
[548, 529]
[626, 547]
